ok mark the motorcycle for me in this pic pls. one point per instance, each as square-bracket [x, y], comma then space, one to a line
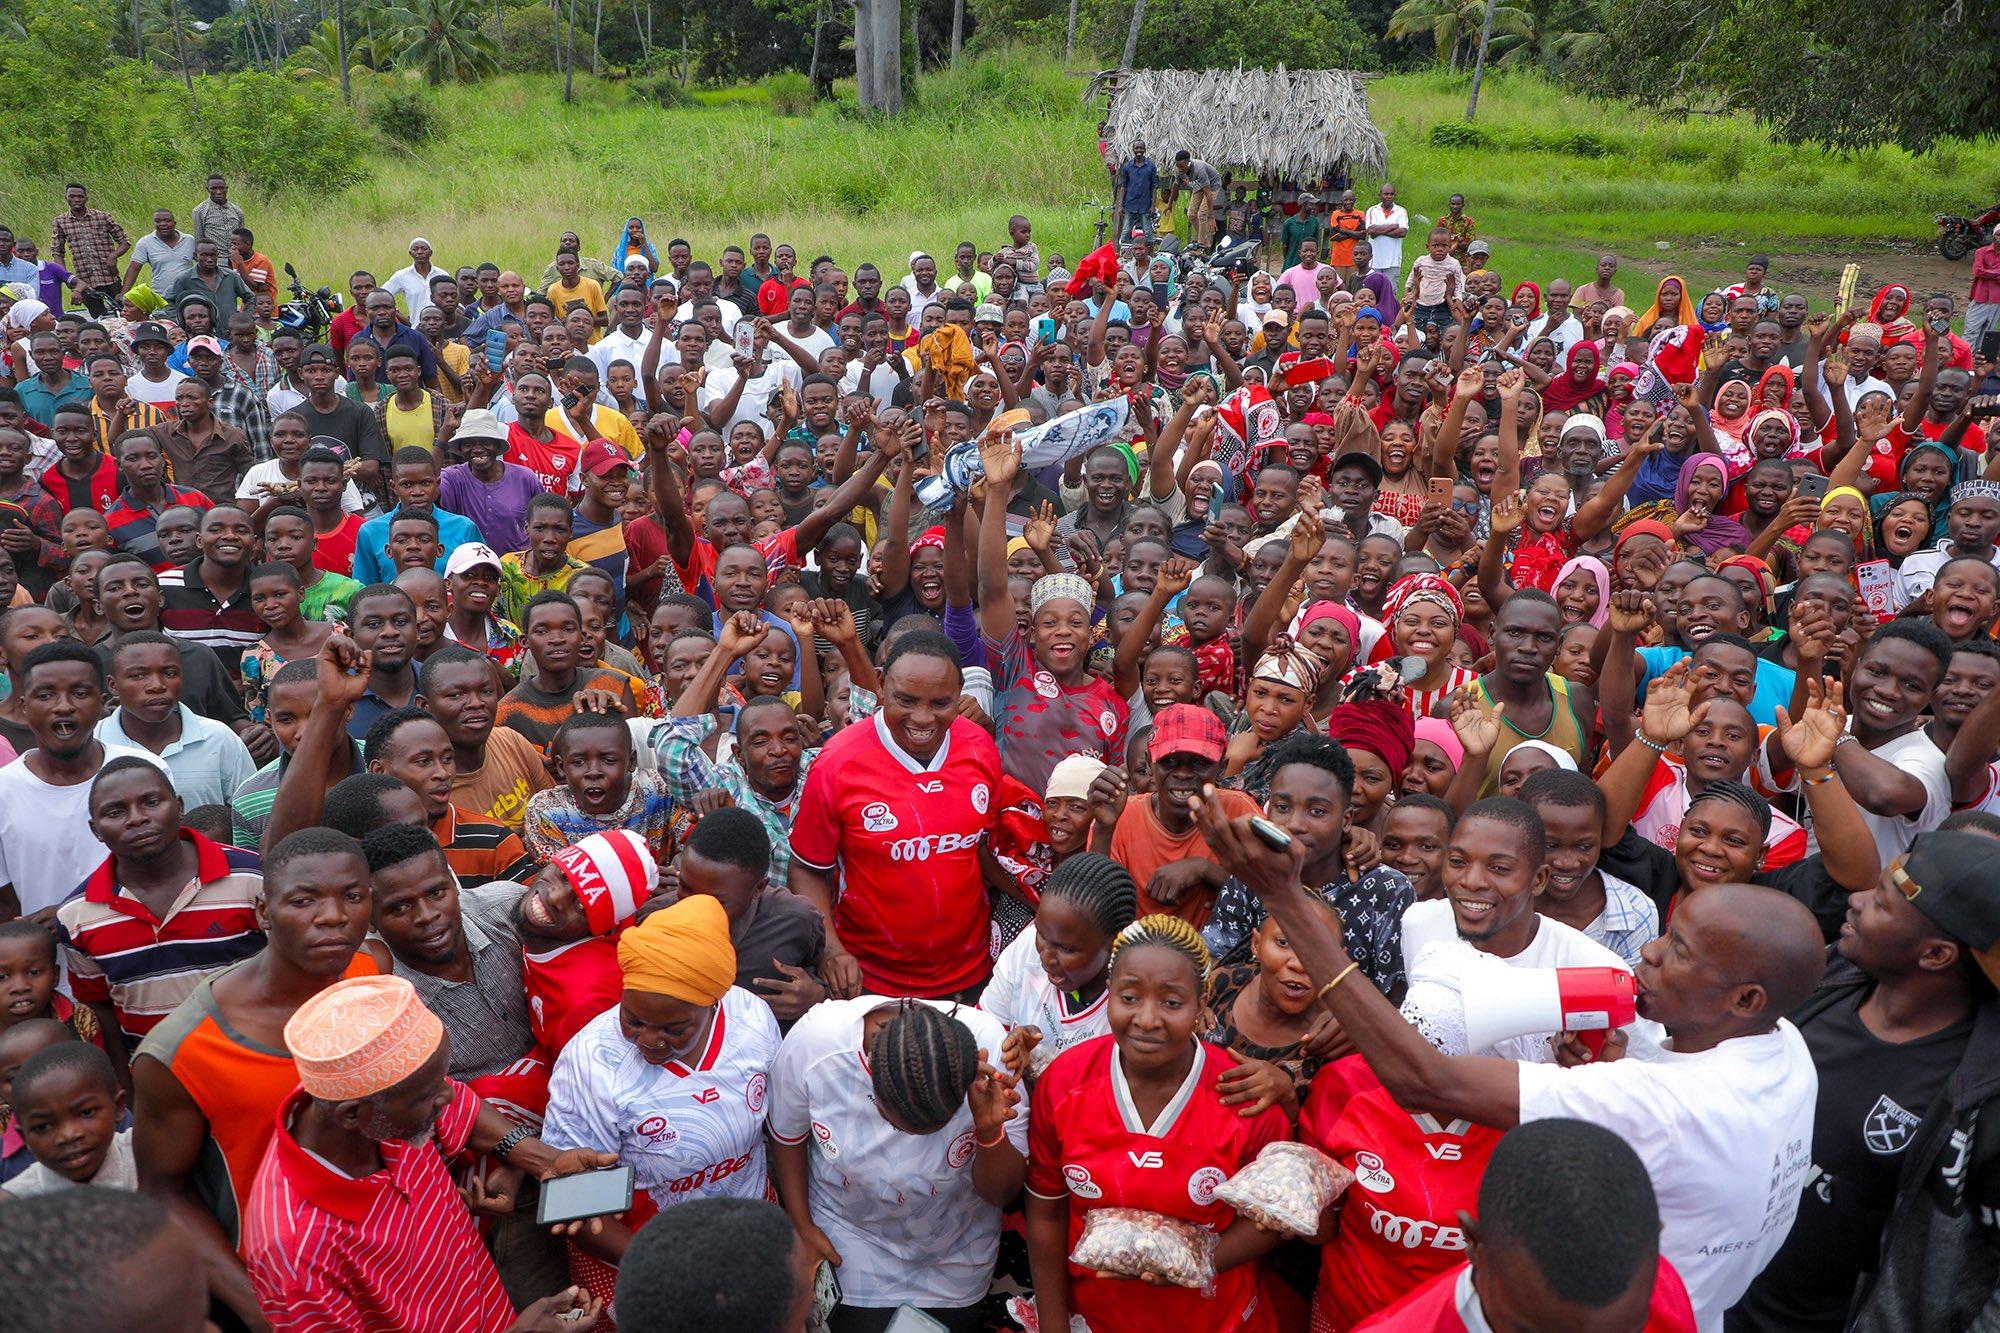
[308, 314]
[1959, 237]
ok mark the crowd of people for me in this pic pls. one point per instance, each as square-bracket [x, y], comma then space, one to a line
[907, 762]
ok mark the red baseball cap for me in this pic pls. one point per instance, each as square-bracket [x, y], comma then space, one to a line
[1187, 729]
[601, 456]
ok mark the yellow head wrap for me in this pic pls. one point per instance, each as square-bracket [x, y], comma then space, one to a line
[1859, 498]
[682, 951]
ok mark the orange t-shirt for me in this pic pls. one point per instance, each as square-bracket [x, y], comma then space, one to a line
[1340, 252]
[1142, 845]
[238, 1084]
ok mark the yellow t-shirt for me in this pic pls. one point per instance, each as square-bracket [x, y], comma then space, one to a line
[412, 427]
[586, 290]
[459, 357]
[612, 424]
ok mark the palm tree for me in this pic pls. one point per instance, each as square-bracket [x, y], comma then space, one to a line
[340, 40]
[442, 38]
[1453, 25]
[1132, 33]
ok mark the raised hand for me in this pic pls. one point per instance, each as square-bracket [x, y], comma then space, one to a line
[342, 675]
[1041, 528]
[1000, 453]
[1107, 796]
[742, 632]
[1308, 535]
[1508, 513]
[1472, 380]
[1477, 730]
[1176, 574]
[1670, 711]
[833, 620]
[1809, 742]
[1631, 611]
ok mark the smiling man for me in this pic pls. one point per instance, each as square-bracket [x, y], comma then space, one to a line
[1155, 837]
[1494, 873]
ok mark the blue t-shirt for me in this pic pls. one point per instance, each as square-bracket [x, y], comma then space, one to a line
[1774, 682]
[1142, 180]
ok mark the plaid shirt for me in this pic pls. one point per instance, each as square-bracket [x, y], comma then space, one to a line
[45, 517]
[259, 379]
[1371, 913]
[688, 769]
[1628, 921]
[92, 242]
[486, 1017]
[237, 406]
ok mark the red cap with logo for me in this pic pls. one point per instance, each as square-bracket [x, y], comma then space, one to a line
[601, 456]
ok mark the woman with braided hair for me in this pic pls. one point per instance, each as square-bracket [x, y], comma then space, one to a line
[894, 1145]
[1048, 985]
[1134, 1119]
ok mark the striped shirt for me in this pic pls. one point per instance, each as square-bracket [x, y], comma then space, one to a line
[687, 769]
[396, 1249]
[190, 611]
[144, 965]
[250, 807]
[480, 850]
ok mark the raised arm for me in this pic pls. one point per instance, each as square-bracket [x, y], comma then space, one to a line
[1846, 845]
[894, 575]
[849, 493]
[1595, 514]
[1001, 456]
[323, 753]
[663, 477]
[1307, 536]
[740, 633]
[1174, 577]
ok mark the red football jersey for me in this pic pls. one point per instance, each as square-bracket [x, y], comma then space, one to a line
[568, 986]
[553, 463]
[1086, 1143]
[1399, 1224]
[912, 903]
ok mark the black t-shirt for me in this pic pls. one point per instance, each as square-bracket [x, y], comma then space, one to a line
[1872, 1096]
[351, 425]
[1638, 861]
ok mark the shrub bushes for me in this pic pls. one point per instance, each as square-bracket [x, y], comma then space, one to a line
[406, 116]
[662, 90]
[272, 133]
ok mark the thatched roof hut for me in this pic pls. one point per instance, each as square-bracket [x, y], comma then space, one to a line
[1292, 123]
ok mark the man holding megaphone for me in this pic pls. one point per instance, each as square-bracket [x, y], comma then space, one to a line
[1722, 1115]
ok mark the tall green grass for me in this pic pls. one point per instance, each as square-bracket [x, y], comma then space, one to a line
[1552, 177]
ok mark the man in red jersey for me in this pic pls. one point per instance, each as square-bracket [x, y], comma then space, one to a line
[1568, 1236]
[900, 804]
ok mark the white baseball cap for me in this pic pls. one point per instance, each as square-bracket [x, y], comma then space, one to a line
[470, 556]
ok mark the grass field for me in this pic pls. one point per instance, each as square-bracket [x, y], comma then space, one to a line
[1556, 180]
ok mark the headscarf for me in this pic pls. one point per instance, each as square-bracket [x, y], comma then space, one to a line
[1645, 527]
[363, 1036]
[144, 299]
[1334, 611]
[929, 537]
[1767, 582]
[1780, 372]
[1290, 665]
[950, 354]
[624, 247]
[1901, 326]
[1879, 505]
[1377, 726]
[1721, 530]
[1713, 325]
[1439, 733]
[1563, 392]
[1772, 414]
[681, 951]
[1564, 759]
[1514, 298]
[1599, 573]
[1072, 776]
[1423, 588]
[1864, 540]
[1682, 314]
[22, 314]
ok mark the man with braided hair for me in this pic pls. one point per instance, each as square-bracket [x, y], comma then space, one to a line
[895, 1143]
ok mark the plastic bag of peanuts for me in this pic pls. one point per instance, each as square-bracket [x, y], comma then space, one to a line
[1286, 1188]
[1130, 1242]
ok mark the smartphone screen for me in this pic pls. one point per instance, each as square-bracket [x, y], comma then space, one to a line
[746, 339]
[586, 1194]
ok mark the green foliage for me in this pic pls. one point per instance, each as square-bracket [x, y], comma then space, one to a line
[1457, 134]
[56, 84]
[1024, 80]
[1262, 34]
[661, 90]
[441, 39]
[272, 134]
[791, 93]
[530, 43]
[406, 115]
[1845, 73]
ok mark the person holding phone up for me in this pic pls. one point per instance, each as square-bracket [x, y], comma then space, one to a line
[673, 1079]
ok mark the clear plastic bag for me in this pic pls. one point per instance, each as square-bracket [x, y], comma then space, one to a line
[1286, 1188]
[1130, 1242]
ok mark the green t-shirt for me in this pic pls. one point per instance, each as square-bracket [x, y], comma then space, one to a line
[327, 599]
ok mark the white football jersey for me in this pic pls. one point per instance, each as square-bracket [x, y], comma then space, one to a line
[688, 1132]
[899, 1207]
[1021, 993]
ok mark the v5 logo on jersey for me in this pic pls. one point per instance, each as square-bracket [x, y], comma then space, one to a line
[1146, 1159]
[931, 786]
[1443, 1152]
[707, 1095]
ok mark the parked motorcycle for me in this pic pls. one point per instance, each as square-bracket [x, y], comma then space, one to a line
[308, 314]
[1959, 237]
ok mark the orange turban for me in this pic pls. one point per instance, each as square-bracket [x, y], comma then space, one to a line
[361, 1036]
[682, 951]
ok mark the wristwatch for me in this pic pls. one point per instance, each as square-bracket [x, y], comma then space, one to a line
[502, 1149]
